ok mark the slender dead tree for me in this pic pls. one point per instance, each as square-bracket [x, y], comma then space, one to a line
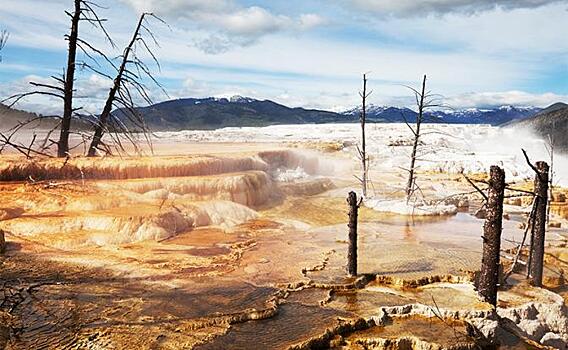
[416, 132]
[424, 100]
[362, 151]
[125, 84]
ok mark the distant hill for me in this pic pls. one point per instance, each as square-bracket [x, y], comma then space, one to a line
[552, 121]
[493, 116]
[237, 111]
[214, 113]
[10, 117]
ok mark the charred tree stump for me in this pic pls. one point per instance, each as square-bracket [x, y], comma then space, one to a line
[489, 275]
[2, 242]
[352, 249]
[535, 267]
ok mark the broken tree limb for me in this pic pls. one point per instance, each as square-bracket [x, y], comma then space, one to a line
[476, 188]
[489, 274]
[530, 226]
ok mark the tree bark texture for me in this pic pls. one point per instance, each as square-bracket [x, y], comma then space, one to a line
[352, 249]
[489, 274]
[537, 246]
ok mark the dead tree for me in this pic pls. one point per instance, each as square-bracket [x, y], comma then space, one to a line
[489, 274]
[353, 218]
[125, 84]
[536, 259]
[416, 132]
[63, 144]
[424, 100]
[362, 151]
[63, 86]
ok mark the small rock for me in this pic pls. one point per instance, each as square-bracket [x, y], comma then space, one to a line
[554, 340]
[264, 261]
[506, 216]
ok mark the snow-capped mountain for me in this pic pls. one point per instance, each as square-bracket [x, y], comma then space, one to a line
[493, 116]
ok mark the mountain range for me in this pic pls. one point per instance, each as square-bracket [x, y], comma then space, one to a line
[237, 111]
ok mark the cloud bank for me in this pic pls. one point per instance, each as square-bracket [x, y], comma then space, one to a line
[419, 8]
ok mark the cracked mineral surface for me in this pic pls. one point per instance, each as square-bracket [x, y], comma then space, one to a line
[225, 249]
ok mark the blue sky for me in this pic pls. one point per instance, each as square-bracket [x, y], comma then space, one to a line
[310, 53]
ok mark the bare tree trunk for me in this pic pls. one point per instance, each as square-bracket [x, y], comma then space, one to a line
[352, 249]
[411, 175]
[104, 117]
[537, 245]
[363, 150]
[63, 144]
[489, 274]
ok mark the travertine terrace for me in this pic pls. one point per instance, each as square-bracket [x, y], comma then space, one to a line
[243, 246]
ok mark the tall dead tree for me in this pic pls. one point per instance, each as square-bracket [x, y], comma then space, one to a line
[536, 262]
[489, 274]
[120, 94]
[364, 94]
[352, 248]
[63, 86]
[69, 81]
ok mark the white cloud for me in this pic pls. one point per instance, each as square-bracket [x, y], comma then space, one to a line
[176, 8]
[420, 8]
[229, 25]
[250, 21]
